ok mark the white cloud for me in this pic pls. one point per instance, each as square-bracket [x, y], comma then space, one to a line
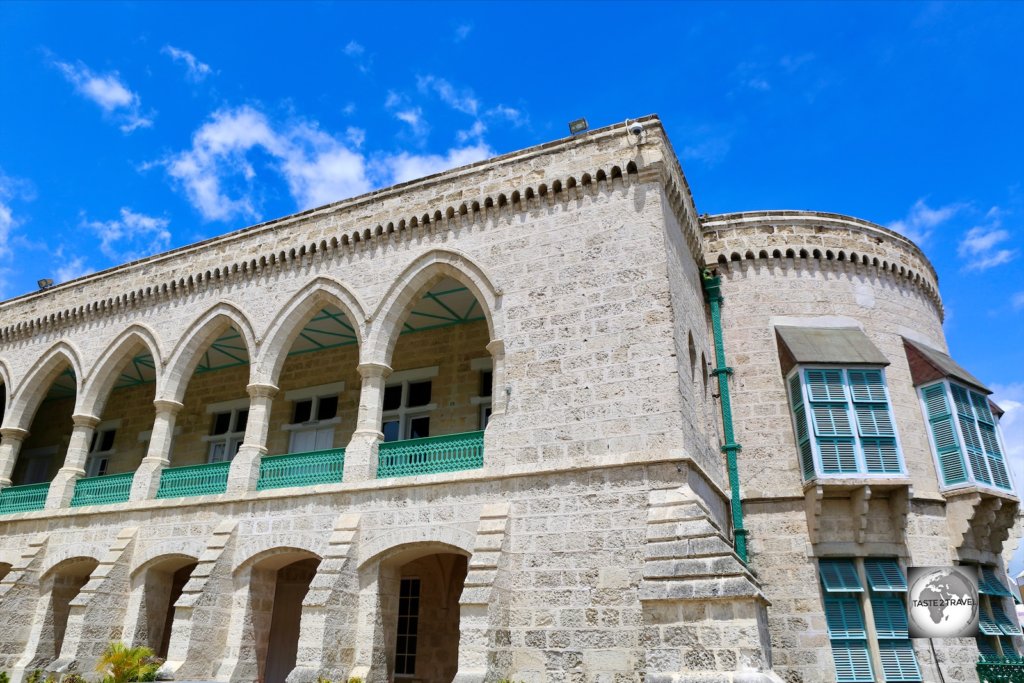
[922, 220]
[357, 53]
[196, 70]
[707, 144]
[404, 166]
[514, 116]
[462, 32]
[356, 136]
[11, 189]
[349, 109]
[354, 49]
[220, 180]
[1010, 397]
[474, 132]
[979, 245]
[1018, 301]
[71, 268]
[110, 93]
[464, 100]
[132, 236]
[414, 118]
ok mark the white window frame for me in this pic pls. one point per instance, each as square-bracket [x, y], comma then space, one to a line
[405, 414]
[97, 461]
[485, 403]
[232, 439]
[314, 394]
[972, 480]
[858, 449]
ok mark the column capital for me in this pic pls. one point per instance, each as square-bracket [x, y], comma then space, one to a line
[372, 370]
[496, 347]
[82, 420]
[258, 390]
[14, 433]
[164, 405]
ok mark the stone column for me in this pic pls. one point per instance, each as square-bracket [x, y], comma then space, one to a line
[62, 488]
[146, 482]
[245, 467]
[361, 452]
[11, 439]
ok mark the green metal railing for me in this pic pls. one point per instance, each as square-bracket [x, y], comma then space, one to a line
[23, 498]
[105, 490]
[433, 454]
[194, 480]
[301, 469]
[1001, 670]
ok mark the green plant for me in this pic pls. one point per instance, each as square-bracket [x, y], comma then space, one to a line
[355, 679]
[35, 677]
[73, 678]
[122, 664]
[321, 679]
[4, 678]
[50, 678]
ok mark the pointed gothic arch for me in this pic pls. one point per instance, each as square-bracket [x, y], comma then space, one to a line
[25, 399]
[104, 374]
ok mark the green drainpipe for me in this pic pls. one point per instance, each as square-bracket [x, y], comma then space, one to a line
[713, 291]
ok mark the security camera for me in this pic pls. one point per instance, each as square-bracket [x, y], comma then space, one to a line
[636, 128]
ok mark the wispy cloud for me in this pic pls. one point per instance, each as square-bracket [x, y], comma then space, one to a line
[196, 70]
[980, 246]
[463, 100]
[922, 220]
[462, 32]
[70, 267]
[131, 236]
[354, 49]
[706, 143]
[413, 117]
[1010, 397]
[11, 190]
[357, 53]
[108, 92]
[752, 75]
[404, 166]
[1017, 301]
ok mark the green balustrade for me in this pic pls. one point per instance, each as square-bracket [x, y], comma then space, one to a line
[1001, 670]
[105, 490]
[23, 498]
[430, 455]
[194, 480]
[301, 469]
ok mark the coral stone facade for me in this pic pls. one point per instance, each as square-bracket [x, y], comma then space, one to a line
[480, 426]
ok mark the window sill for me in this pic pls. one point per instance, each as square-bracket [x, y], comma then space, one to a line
[310, 424]
[972, 487]
[879, 482]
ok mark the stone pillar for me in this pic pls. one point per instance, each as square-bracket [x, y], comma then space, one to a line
[245, 467]
[361, 452]
[62, 488]
[147, 477]
[11, 439]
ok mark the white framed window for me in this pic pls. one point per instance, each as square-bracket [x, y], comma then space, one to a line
[314, 417]
[484, 397]
[227, 429]
[407, 405]
[101, 448]
[407, 627]
[843, 422]
[964, 435]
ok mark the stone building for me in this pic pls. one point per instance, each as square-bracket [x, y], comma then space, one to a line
[530, 419]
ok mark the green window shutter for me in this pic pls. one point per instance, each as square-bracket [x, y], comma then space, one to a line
[884, 575]
[899, 663]
[843, 617]
[986, 623]
[1009, 650]
[803, 435]
[831, 419]
[989, 584]
[867, 386]
[890, 613]
[874, 419]
[978, 465]
[795, 395]
[807, 459]
[837, 456]
[986, 647]
[940, 420]
[962, 401]
[825, 385]
[881, 456]
[840, 576]
[981, 408]
[853, 663]
[989, 440]
[1007, 625]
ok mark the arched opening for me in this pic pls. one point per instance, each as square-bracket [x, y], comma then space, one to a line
[58, 588]
[5, 569]
[162, 584]
[277, 586]
[438, 399]
[419, 591]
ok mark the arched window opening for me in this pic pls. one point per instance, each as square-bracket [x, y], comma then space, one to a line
[162, 584]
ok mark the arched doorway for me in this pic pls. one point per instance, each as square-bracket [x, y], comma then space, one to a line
[163, 582]
[59, 587]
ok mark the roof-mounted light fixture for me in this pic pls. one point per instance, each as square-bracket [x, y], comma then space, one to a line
[578, 126]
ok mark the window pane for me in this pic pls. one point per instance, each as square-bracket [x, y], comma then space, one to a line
[486, 378]
[392, 397]
[107, 439]
[303, 442]
[241, 420]
[303, 410]
[419, 394]
[221, 423]
[391, 430]
[419, 427]
[327, 408]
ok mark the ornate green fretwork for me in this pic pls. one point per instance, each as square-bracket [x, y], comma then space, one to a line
[713, 290]
[433, 454]
[1001, 670]
[301, 469]
[23, 498]
[194, 480]
[105, 490]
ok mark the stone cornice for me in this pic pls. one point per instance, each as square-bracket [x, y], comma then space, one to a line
[342, 216]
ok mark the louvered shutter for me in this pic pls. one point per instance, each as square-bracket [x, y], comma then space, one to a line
[989, 583]
[853, 663]
[1006, 624]
[843, 617]
[1009, 649]
[986, 623]
[840, 576]
[940, 420]
[899, 663]
[884, 575]
[890, 614]
[882, 456]
[986, 648]
[825, 385]
[867, 386]
[803, 434]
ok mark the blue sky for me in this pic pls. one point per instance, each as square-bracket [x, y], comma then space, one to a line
[131, 128]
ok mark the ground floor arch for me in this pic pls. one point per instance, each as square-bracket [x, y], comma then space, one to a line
[59, 587]
[162, 583]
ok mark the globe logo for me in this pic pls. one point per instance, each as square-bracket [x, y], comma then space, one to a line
[943, 602]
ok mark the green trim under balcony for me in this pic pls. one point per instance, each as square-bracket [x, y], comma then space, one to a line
[431, 455]
[194, 480]
[23, 498]
[1001, 670]
[301, 469]
[105, 490]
